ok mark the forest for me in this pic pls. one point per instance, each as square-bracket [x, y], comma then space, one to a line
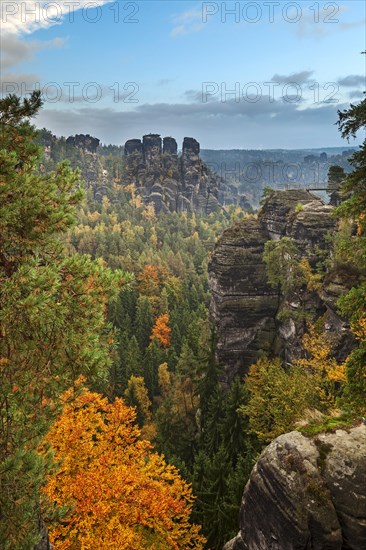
[116, 429]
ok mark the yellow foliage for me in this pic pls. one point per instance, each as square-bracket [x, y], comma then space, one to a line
[120, 495]
[149, 212]
[314, 280]
[136, 201]
[359, 328]
[164, 378]
[320, 363]
[136, 385]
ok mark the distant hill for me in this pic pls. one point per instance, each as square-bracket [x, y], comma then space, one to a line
[251, 170]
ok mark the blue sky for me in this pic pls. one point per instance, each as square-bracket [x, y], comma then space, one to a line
[236, 74]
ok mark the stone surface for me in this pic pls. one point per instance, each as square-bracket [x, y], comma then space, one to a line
[89, 164]
[172, 182]
[86, 142]
[243, 304]
[306, 494]
[244, 307]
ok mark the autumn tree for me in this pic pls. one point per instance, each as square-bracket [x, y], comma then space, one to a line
[277, 398]
[327, 376]
[161, 330]
[118, 493]
[52, 316]
[136, 395]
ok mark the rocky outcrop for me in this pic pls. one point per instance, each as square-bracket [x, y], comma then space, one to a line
[85, 142]
[171, 182]
[88, 162]
[245, 308]
[243, 305]
[306, 494]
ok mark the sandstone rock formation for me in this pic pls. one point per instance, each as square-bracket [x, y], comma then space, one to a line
[86, 142]
[88, 162]
[244, 307]
[171, 182]
[306, 494]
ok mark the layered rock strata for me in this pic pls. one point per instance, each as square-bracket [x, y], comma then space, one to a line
[245, 308]
[306, 494]
[171, 182]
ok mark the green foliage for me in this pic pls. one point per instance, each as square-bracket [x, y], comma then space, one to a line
[266, 194]
[282, 265]
[326, 424]
[277, 398]
[52, 317]
[353, 209]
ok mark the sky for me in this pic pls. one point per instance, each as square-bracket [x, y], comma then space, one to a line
[236, 74]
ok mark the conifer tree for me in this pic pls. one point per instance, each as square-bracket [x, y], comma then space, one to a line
[52, 314]
[353, 304]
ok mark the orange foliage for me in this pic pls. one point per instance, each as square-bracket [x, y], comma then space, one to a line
[161, 331]
[119, 493]
[328, 377]
[149, 280]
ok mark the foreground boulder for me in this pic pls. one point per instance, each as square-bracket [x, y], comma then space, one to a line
[306, 494]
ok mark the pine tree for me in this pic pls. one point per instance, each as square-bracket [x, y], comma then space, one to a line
[52, 317]
[144, 322]
[353, 304]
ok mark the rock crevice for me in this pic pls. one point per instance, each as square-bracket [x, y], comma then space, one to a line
[171, 182]
[244, 307]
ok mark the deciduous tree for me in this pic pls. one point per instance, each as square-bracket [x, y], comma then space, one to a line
[118, 492]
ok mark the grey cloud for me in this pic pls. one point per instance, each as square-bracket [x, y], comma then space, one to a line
[352, 25]
[352, 80]
[302, 77]
[18, 83]
[215, 125]
[356, 94]
[15, 50]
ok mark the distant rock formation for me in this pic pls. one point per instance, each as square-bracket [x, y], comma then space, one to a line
[306, 494]
[90, 166]
[243, 305]
[85, 142]
[171, 182]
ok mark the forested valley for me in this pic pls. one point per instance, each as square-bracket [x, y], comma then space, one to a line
[118, 429]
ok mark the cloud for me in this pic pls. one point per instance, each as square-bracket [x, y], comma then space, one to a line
[319, 23]
[187, 22]
[15, 50]
[165, 81]
[352, 80]
[356, 94]
[216, 125]
[18, 83]
[352, 25]
[27, 16]
[302, 77]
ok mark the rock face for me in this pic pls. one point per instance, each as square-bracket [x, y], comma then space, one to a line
[86, 142]
[171, 182]
[306, 494]
[90, 166]
[244, 307]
